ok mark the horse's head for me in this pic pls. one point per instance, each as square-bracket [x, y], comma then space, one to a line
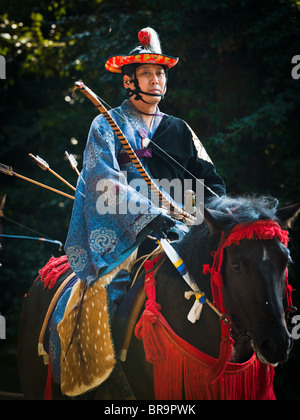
[254, 276]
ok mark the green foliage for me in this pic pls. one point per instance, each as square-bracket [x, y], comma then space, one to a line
[233, 85]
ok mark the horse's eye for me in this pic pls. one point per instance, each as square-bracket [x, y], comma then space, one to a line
[235, 265]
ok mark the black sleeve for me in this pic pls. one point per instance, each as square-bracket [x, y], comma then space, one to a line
[201, 166]
[205, 170]
[176, 138]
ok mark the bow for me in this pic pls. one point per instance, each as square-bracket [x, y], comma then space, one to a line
[163, 200]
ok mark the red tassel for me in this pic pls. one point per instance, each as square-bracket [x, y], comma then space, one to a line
[218, 279]
[146, 330]
[186, 373]
[206, 268]
[144, 37]
[261, 229]
[289, 290]
[168, 375]
[53, 270]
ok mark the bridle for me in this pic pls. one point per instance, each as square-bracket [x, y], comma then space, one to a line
[258, 230]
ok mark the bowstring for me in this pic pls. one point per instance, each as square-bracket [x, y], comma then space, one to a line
[25, 227]
[42, 236]
[182, 167]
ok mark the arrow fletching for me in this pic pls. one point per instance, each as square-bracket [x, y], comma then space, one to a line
[7, 170]
[72, 160]
[40, 162]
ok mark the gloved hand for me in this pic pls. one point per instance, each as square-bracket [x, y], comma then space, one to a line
[161, 225]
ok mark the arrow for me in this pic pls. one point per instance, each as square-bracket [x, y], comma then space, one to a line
[45, 166]
[8, 170]
[73, 162]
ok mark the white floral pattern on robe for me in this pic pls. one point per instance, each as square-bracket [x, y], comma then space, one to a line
[96, 239]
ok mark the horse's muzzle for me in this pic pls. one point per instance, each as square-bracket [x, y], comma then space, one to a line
[274, 349]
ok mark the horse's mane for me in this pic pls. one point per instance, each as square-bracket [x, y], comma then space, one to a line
[240, 209]
[195, 248]
[247, 208]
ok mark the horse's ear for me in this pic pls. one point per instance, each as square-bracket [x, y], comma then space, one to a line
[287, 215]
[2, 201]
[216, 220]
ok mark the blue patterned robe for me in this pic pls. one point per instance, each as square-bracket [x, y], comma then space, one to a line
[99, 237]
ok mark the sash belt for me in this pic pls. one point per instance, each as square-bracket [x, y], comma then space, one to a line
[141, 153]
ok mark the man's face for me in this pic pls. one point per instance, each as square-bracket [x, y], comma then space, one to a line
[152, 79]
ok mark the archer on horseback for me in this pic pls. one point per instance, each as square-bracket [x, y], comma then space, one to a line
[68, 314]
[98, 235]
[114, 212]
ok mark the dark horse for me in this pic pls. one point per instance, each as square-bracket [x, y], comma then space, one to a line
[254, 293]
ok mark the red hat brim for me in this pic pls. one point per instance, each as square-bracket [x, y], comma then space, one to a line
[115, 63]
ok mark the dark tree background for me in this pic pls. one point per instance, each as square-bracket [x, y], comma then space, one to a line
[233, 85]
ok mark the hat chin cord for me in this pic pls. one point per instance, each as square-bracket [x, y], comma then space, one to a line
[137, 91]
